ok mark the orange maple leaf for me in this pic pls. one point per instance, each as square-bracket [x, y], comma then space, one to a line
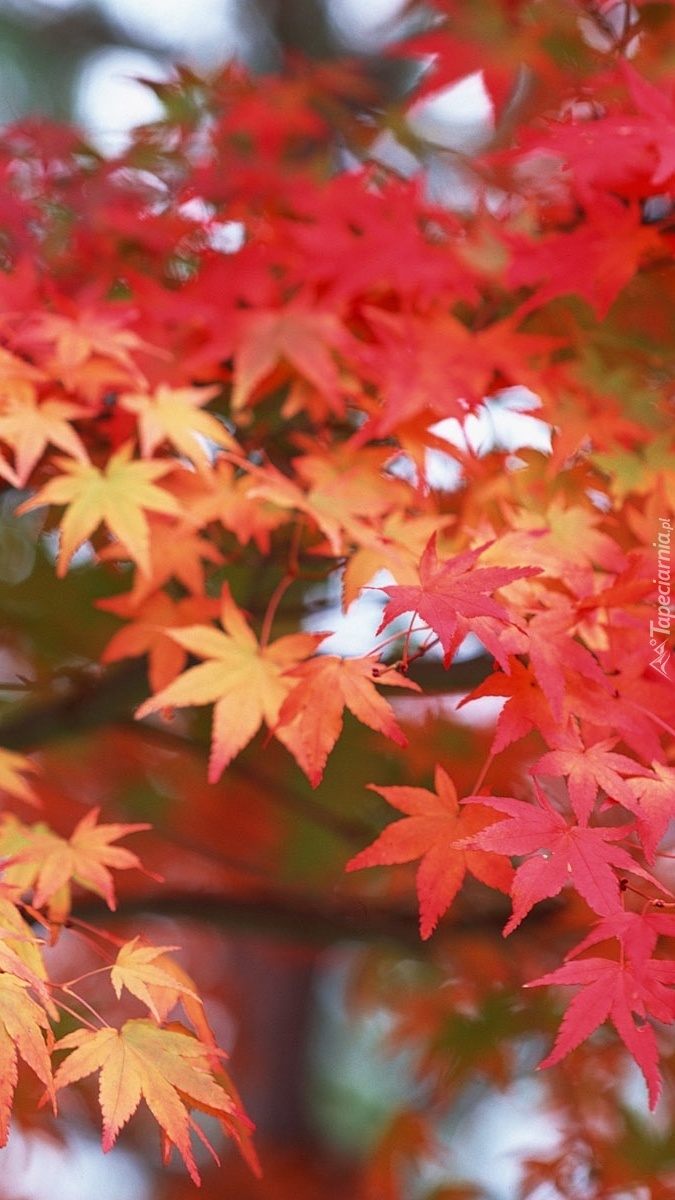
[433, 824]
[246, 680]
[343, 495]
[310, 719]
[298, 336]
[148, 631]
[118, 495]
[176, 551]
[167, 1068]
[87, 335]
[49, 864]
[223, 495]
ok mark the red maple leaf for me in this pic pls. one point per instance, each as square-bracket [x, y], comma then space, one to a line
[637, 932]
[560, 852]
[589, 768]
[454, 599]
[553, 650]
[652, 799]
[431, 830]
[620, 992]
[551, 264]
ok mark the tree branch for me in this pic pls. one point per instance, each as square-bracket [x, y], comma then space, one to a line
[305, 919]
[94, 699]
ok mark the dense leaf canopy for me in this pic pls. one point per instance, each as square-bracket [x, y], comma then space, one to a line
[337, 477]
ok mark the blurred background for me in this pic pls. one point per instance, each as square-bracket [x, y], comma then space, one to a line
[77, 59]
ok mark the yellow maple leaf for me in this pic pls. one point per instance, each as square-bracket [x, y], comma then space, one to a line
[143, 970]
[174, 415]
[13, 767]
[246, 680]
[28, 426]
[177, 551]
[118, 495]
[23, 1024]
[167, 1068]
[18, 942]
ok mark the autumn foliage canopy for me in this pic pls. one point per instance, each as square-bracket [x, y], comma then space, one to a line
[289, 354]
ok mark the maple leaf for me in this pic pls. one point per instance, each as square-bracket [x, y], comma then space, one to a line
[395, 547]
[498, 49]
[559, 852]
[167, 1068]
[147, 631]
[176, 551]
[610, 154]
[526, 706]
[23, 1024]
[589, 768]
[555, 653]
[47, 863]
[568, 542]
[433, 826]
[652, 799]
[297, 335]
[174, 415]
[29, 425]
[344, 494]
[15, 373]
[119, 495]
[453, 599]
[434, 364]
[222, 495]
[87, 336]
[13, 767]
[619, 992]
[310, 718]
[140, 969]
[246, 680]
[552, 262]
[21, 951]
[637, 932]
[368, 237]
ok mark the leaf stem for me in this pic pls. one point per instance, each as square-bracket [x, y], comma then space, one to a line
[483, 772]
[285, 582]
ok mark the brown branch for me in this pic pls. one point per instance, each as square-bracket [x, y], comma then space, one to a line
[87, 701]
[297, 917]
[105, 697]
